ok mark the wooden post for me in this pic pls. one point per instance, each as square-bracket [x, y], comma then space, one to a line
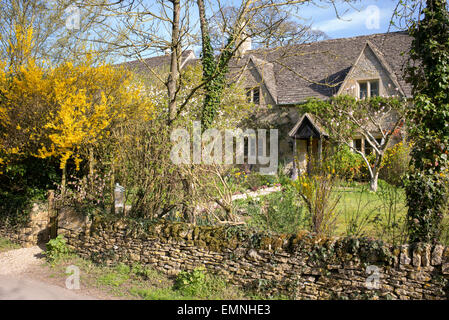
[64, 179]
[295, 169]
[294, 152]
[53, 214]
[309, 156]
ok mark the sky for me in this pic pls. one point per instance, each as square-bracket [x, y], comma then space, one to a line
[363, 18]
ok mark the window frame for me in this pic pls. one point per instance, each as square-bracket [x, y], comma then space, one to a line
[256, 89]
[368, 87]
[250, 94]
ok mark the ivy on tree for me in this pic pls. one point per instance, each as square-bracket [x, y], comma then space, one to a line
[428, 73]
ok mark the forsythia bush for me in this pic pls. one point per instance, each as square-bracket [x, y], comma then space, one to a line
[60, 111]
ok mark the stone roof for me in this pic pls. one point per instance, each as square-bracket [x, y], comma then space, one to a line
[317, 69]
[308, 119]
[154, 63]
[297, 72]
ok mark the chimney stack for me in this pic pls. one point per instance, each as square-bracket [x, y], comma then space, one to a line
[245, 45]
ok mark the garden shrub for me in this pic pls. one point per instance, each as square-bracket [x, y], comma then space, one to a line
[56, 249]
[191, 282]
[395, 163]
[256, 180]
[279, 212]
[22, 183]
[427, 71]
[316, 191]
[32, 172]
[347, 164]
[198, 283]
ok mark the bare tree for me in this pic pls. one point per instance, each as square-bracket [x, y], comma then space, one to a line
[140, 29]
[54, 24]
[376, 119]
[271, 27]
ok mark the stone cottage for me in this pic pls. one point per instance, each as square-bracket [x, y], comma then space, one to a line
[279, 79]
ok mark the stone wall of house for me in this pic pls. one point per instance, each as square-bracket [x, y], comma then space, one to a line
[36, 231]
[300, 266]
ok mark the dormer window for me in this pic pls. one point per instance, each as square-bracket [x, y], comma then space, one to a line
[253, 95]
[256, 95]
[368, 89]
[374, 88]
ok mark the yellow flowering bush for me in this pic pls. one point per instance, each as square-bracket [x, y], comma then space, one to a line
[60, 111]
[316, 192]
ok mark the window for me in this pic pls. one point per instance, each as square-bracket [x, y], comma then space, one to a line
[358, 144]
[253, 95]
[363, 93]
[256, 95]
[368, 148]
[368, 89]
[374, 88]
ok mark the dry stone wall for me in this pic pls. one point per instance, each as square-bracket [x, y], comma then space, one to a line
[300, 266]
[32, 233]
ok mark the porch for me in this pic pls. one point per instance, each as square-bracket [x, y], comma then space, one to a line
[308, 141]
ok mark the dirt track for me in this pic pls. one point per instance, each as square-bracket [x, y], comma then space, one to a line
[15, 285]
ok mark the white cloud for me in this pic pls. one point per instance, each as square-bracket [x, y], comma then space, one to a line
[365, 19]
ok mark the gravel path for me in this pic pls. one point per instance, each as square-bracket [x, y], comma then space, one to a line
[256, 194]
[18, 261]
[16, 285]
[18, 288]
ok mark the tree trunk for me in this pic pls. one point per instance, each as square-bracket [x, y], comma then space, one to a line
[373, 182]
[91, 169]
[64, 179]
[113, 187]
[173, 77]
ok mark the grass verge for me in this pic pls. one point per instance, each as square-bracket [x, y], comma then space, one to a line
[139, 282]
[6, 245]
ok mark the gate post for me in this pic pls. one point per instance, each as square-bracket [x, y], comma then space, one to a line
[53, 214]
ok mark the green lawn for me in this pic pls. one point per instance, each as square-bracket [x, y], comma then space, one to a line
[359, 212]
[363, 213]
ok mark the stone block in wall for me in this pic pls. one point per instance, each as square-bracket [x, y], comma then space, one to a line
[445, 268]
[416, 257]
[404, 258]
[437, 255]
[71, 220]
[426, 255]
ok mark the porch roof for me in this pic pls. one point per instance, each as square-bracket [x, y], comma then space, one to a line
[307, 127]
